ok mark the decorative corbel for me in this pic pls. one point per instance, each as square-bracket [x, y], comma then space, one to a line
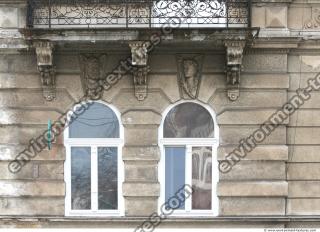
[140, 68]
[139, 52]
[140, 81]
[234, 66]
[46, 68]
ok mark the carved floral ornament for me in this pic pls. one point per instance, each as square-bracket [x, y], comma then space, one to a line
[314, 22]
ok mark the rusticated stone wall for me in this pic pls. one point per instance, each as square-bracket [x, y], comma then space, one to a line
[259, 179]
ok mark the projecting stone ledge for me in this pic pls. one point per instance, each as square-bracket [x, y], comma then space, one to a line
[177, 35]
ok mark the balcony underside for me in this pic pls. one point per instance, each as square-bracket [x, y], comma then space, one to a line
[117, 39]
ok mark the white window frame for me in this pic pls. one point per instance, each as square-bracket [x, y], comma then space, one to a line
[94, 143]
[188, 143]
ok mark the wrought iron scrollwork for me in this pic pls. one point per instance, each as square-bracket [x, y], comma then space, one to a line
[137, 13]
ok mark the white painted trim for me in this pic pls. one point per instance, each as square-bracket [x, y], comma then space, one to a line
[98, 142]
[94, 144]
[188, 175]
[189, 143]
[94, 178]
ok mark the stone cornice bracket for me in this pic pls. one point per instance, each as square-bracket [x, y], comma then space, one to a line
[234, 53]
[45, 67]
[139, 53]
[140, 69]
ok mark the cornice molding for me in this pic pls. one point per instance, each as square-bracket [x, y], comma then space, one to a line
[266, 51]
[13, 2]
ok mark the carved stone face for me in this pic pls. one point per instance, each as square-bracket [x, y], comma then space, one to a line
[190, 68]
[93, 67]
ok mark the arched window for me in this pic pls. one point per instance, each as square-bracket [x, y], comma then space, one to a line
[93, 167]
[188, 138]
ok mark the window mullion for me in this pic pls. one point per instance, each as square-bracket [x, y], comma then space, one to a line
[67, 171]
[120, 171]
[188, 175]
[94, 178]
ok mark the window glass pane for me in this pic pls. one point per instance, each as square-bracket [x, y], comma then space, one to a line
[188, 120]
[107, 178]
[175, 173]
[98, 121]
[202, 177]
[80, 178]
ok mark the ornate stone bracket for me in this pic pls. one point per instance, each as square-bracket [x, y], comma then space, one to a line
[139, 53]
[46, 68]
[234, 65]
[140, 68]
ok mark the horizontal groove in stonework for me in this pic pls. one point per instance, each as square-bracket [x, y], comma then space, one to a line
[253, 188]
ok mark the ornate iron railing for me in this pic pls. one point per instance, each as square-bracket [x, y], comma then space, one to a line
[138, 13]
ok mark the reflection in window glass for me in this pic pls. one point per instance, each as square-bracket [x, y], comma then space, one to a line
[98, 121]
[202, 177]
[175, 172]
[81, 178]
[188, 120]
[107, 178]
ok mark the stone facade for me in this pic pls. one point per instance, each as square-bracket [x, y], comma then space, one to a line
[275, 185]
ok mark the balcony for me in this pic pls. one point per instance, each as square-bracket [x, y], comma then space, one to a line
[179, 26]
[63, 14]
